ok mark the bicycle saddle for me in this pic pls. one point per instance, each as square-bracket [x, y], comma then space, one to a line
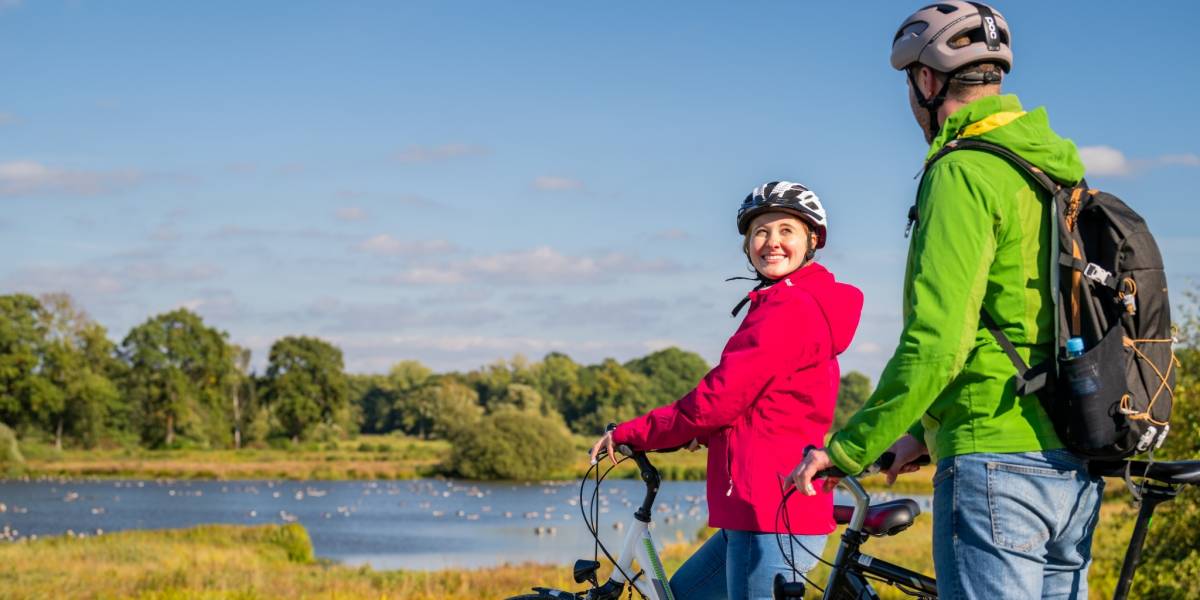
[1173, 473]
[885, 518]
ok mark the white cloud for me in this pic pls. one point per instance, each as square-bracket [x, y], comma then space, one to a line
[351, 213]
[1104, 160]
[538, 265]
[424, 154]
[92, 280]
[556, 184]
[24, 177]
[219, 305]
[1185, 160]
[1108, 161]
[386, 245]
[425, 275]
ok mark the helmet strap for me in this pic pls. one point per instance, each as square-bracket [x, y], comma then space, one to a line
[931, 104]
[763, 281]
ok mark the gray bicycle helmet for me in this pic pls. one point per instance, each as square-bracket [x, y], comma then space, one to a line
[788, 197]
[949, 37]
[952, 34]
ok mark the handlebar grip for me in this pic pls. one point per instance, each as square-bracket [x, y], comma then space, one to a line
[887, 458]
[884, 463]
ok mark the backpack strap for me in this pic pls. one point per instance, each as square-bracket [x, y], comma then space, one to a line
[1029, 380]
[1037, 174]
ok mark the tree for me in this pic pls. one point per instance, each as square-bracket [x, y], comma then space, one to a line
[78, 361]
[240, 382]
[438, 408]
[610, 393]
[22, 335]
[672, 373]
[518, 397]
[176, 368]
[853, 392]
[408, 374]
[511, 445]
[373, 396]
[557, 378]
[306, 385]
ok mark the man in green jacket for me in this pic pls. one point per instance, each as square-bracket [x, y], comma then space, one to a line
[1013, 511]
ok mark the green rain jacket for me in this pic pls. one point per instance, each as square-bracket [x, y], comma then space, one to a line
[982, 239]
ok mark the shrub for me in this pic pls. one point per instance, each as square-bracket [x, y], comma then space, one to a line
[294, 540]
[10, 451]
[510, 445]
[1170, 566]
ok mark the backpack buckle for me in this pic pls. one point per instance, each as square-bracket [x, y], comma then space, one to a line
[1098, 274]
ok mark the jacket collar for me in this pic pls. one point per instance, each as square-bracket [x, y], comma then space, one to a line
[800, 277]
[973, 113]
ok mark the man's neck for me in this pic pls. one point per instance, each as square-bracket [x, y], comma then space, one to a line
[951, 106]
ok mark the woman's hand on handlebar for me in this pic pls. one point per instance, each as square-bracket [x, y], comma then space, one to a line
[907, 450]
[605, 443]
[814, 462]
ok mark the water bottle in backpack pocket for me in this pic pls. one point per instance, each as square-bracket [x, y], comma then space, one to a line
[1090, 387]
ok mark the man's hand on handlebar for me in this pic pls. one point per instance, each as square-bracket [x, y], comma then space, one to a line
[905, 456]
[907, 450]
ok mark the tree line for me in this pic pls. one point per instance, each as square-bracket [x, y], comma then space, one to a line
[174, 381]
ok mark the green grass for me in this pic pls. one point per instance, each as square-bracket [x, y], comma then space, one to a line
[276, 561]
[367, 457]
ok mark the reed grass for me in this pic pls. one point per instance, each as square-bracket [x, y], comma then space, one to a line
[276, 561]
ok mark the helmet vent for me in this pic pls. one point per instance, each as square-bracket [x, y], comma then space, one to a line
[945, 9]
[910, 30]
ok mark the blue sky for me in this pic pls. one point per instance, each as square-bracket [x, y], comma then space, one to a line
[457, 182]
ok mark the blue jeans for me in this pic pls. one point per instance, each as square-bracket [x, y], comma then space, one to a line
[1014, 525]
[740, 565]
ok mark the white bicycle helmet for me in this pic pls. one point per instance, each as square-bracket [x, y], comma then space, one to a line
[788, 197]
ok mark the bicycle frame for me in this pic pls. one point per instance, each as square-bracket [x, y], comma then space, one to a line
[639, 544]
[847, 578]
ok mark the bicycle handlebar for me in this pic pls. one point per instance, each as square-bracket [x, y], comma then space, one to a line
[882, 464]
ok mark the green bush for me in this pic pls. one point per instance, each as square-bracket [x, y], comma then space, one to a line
[294, 540]
[1170, 566]
[510, 445]
[10, 451]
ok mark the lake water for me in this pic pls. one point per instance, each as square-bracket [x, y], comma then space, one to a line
[421, 524]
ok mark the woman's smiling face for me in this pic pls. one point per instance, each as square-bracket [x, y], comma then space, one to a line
[778, 244]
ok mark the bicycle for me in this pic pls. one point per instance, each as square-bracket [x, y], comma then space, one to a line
[852, 571]
[651, 581]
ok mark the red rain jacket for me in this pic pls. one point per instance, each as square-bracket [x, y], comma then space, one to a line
[772, 394]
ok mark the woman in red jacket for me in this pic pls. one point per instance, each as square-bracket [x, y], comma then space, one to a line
[772, 394]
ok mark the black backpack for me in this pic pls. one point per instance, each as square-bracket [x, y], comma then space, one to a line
[1115, 399]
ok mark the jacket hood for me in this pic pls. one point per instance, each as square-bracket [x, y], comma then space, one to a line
[1001, 120]
[841, 302]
